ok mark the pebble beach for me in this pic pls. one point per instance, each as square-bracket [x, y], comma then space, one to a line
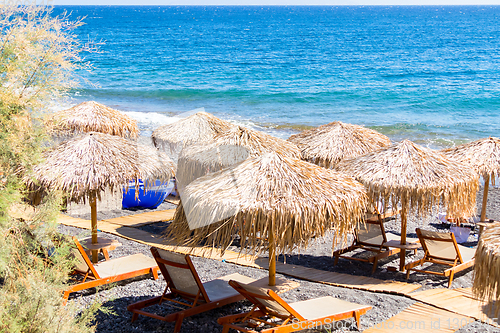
[317, 255]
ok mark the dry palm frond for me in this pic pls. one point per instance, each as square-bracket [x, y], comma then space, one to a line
[294, 199]
[92, 117]
[487, 267]
[200, 127]
[416, 177]
[94, 161]
[329, 144]
[228, 148]
[482, 155]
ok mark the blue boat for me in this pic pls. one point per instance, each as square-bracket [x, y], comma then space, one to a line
[150, 198]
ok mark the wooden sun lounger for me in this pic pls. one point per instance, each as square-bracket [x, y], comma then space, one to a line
[270, 310]
[184, 283]
[370, 236]
[108, 271]
[442, 248]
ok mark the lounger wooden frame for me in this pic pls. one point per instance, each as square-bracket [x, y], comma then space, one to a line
[379, 249]
[289, 320]
[195, 302]
[91, 277]
[457, 264]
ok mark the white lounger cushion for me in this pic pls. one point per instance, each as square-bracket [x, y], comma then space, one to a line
[323, 307]
[124, 265]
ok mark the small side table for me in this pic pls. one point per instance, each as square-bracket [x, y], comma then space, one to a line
[103, 245]
[484, 224]
[408, 246]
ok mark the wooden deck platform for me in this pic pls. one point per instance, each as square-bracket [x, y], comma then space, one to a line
[460, 301]
[342, 280]
[422, 318]
[141, 219]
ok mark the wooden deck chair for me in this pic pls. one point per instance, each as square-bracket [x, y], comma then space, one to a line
[108, 271]
[279, 316]
[370, 236]
[185, 288]
[442, 248]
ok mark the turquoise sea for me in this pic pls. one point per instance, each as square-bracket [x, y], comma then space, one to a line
[427, 73]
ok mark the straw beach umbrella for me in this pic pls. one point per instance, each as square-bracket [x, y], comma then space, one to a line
[483, 156]
[200, 127]
[416, 178]
[288, 200]
[92, 117]
[88, 164]
[228, 148]
[329, 144]
[487, 266]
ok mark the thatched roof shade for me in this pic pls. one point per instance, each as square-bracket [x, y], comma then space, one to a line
[487, 267]
[228, 148]
[200, 127]
[92, 117]
[94, 161]
[293, 199]
[482, 155]
[416, 177]
[329, 144]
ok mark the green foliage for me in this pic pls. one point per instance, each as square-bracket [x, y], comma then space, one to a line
[38, 57]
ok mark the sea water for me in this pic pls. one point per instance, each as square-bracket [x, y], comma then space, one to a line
[430, 74]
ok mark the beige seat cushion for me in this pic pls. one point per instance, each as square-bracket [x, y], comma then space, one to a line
[124, 265]
[370, 234]
[219, 288]
[466, 253]
[324, 307]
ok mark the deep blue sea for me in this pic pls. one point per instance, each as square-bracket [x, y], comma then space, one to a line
[427, 73]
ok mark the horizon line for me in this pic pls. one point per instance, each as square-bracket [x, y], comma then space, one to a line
[292, 5]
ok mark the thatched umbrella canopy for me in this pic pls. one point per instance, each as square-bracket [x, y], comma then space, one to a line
[329, 144]
[228, 148]
[487, 266]
[90, 163]
[200, 127]
[289, 200]
[483, 156]
[416, 178]
[92, 117]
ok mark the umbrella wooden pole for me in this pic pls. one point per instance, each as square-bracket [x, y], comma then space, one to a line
[272, 257]
[402, 253]
[485, 197]
[93, 218]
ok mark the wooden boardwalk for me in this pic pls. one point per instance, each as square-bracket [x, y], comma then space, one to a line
[460, 301]
[344, 280]
[138, 220]
[422, 318]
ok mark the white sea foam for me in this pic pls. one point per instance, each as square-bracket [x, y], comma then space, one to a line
[152, 119]
[149, 121]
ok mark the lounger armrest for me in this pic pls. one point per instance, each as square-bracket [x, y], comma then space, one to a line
[460, 267]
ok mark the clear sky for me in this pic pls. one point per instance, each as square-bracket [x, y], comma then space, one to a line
[276, 2]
